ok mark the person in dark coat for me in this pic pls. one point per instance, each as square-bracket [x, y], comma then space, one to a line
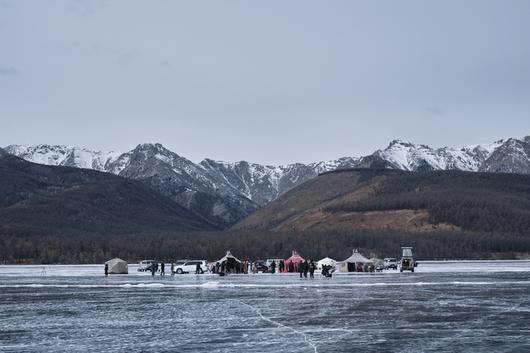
[281, 266]
[172, 269]
[273, 267]
[162, 269]
[301, 269]
[198, 269]
[106, 270]
[153, 269]
[312, 268]
[306, 268]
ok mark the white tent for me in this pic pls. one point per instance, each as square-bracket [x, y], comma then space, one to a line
[227, 257]
[355, 263]
[117, 266]
[326, 261]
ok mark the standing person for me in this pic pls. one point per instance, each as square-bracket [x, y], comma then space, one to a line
[153, 269]
[273, 266]
[301, 269]
[312, 268]
[172, 269]
[162, 269]
[281, 266]
[198, 269]
[306, 268]
[106, 270]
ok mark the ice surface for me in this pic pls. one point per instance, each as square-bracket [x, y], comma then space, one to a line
[469, 306]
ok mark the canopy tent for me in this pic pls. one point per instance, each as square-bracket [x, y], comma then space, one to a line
[228, 256]
[117, 266]
[230, 262]
[291, 264]
[356, 263]
[326, 261]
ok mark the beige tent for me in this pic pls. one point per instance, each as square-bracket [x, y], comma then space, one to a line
[356, 263]
[117, 266]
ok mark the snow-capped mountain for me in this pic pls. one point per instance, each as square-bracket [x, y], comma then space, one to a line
[509, 156]
[64, 156]
[224, 192]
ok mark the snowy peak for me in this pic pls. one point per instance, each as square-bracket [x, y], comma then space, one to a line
[512, 156]
[496, 156]
[64, 156]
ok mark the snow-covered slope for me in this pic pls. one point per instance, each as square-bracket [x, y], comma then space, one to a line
[64, 156]
[509, 156]
[224, 192]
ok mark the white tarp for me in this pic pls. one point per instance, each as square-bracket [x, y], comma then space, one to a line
[326, 261]
[117, 266]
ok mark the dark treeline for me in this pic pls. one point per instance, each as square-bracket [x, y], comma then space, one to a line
[64, 248]
[473, 201]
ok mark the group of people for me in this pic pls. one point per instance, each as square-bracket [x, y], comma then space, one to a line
[305, 267]
[155, 267]
[245, 267]
[227, 267]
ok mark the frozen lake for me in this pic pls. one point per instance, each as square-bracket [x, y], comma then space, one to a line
[444, 307]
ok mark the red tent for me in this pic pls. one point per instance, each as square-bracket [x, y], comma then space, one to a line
[291, 264]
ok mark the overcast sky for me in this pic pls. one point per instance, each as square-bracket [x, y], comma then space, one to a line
[269, 81]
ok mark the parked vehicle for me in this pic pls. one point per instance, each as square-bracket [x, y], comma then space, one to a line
[268, 262]
[261, 266]
[390, 263]
[178, 263]
[191, 267]
[146, 265]
[407, 261]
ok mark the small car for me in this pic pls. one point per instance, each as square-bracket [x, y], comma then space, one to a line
[146, 265]
[261, 266]
[390, 263]
[191, 267]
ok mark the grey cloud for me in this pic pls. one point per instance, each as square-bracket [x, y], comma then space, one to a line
[8, 71]
[267, 81]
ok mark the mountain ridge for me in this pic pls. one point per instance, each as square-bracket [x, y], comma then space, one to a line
[225, 192]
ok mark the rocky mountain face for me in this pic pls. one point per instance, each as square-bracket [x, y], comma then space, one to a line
[223, 192]
[187, 183]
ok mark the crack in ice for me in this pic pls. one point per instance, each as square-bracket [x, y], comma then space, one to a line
[280, 325]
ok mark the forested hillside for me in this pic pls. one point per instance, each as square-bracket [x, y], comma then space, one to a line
[39, 200]
[407, 201]
[97, 248]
